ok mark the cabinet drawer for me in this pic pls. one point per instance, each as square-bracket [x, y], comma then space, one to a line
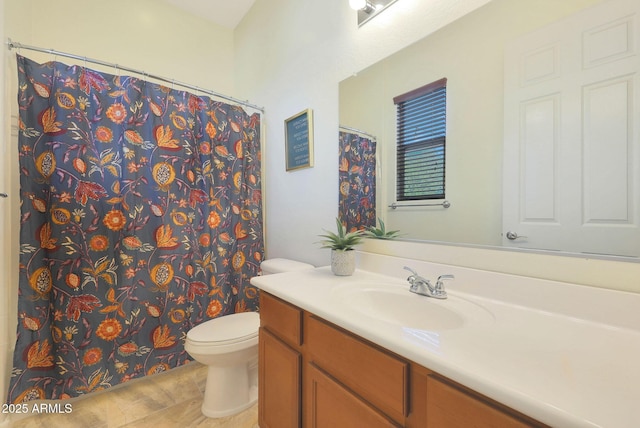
[449, 406]
[281, 318]
[375, 375]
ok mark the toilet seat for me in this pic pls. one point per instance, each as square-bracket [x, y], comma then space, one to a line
[226, 330]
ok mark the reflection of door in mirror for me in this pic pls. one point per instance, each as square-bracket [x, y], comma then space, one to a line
[571, 155]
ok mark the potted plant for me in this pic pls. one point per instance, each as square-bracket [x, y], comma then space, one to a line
[381, 232]
[343, 258]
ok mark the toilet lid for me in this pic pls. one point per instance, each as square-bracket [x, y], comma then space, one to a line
[228, 328]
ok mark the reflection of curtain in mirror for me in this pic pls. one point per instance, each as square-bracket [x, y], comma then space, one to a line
[141, 218]
[357, 179]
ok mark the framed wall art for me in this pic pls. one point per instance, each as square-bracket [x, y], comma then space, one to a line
[298, 130]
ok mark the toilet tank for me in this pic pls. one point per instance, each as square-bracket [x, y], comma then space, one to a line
[277, 265]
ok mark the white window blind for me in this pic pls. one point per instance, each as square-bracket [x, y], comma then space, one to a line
[421, 137]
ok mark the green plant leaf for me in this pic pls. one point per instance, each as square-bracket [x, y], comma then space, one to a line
[381, 232]
[343, 240]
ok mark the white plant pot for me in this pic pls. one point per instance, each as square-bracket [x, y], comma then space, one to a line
[343, 263]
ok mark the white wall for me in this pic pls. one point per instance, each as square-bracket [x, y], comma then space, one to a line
[148, 35]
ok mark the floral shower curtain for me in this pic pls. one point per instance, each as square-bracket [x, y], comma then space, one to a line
[140, 218]
[357, 181]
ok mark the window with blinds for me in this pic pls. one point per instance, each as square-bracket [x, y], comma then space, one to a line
[421, 135]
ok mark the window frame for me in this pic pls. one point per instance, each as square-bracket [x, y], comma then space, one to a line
[425, 149]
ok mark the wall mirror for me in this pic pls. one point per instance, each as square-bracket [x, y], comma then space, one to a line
[475, 54]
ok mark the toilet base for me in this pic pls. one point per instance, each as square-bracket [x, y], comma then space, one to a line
[230, 390]
[212, 413]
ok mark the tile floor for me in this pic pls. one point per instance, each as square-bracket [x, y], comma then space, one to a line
[167, 400]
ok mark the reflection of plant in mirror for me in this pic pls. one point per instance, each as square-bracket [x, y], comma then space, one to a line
[381, 232]
[342, 240]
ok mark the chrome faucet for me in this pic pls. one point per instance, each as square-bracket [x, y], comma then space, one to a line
[422, 286]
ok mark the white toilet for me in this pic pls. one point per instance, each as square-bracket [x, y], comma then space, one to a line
[228, 345]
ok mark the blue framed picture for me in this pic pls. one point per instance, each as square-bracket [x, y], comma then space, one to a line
[298, 131]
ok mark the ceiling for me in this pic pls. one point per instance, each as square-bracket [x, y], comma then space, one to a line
[227, 13]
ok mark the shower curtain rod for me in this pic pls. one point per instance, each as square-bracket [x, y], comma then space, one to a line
[15, 45]
[348, 128]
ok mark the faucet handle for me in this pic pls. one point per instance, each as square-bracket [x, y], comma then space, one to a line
[411, 270]
[440, 284]
[414, 275]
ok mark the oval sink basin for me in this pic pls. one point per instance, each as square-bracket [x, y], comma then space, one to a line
[397, 305]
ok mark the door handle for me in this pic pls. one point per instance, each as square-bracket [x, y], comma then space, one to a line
[513, 236]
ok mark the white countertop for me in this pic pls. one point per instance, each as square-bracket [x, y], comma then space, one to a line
[566, 355]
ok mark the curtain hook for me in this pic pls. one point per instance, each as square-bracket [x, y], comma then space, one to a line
[117, 70]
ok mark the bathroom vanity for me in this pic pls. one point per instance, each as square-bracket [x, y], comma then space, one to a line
[501, 351]
[352, 382]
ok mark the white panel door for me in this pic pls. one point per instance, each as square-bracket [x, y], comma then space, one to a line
[571, 139]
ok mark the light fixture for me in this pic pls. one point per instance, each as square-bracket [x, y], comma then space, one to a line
[367, 10]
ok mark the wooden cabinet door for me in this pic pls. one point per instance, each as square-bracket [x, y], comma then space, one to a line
[280, 383]
[381, 378]
[328, 404]
[451, 407]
